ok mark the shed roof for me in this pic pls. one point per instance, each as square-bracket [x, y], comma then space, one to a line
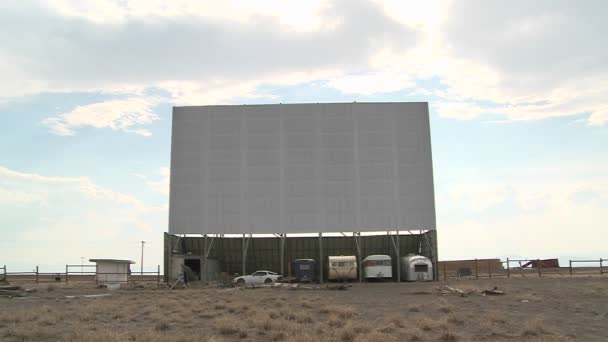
[118, 261]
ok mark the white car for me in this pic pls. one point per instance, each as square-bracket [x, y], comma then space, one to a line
[258, 277]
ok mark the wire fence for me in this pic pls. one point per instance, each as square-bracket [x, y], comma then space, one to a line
[495, 268]
[82, 273]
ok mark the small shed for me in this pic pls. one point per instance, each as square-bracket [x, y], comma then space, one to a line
[112, 271]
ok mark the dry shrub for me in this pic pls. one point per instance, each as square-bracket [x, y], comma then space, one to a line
[304, 318]
[534, 327]
[347, 335]
[444, 306]
[227, 326]
[453, 319]
[397, 321]
[414, 308]
[162, 326]
[265, 324]
[324, 310]
[449, 336]
[376, 337]
[387, 329]
[345, 312]
[425, 323]
[335, 323]
[415, 334]
[306, 305]
[495, 318]
[362, 327]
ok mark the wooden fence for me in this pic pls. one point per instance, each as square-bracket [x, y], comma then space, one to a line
[488, 268]
[76, 273]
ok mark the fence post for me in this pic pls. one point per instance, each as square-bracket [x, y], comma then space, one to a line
[570, 267]
[158, 276]
[36, 274]
[476, 270]
[66, 273]
[489, 269]
[508, 269]
[445, 276]
[601, 272]
[539, 266]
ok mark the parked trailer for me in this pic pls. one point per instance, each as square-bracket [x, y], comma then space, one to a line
[377, 267]
[305, 270]
[342, 268]
[416, 268]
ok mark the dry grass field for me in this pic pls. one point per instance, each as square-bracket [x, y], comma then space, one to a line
[545, 309]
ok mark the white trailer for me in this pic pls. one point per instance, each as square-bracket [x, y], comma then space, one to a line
[377, 267]
[342, 268]
[416, 268]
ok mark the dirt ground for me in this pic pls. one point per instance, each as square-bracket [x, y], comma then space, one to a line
[532, 309]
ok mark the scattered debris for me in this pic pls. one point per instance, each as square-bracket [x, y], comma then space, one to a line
[12, 291]
[448, 290]
[10, 287]
[338, 287]
[525, 301]
[11, 294]
[493, 292]
[89, 296]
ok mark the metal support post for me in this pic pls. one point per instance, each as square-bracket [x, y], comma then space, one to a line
[476, 270]
[398, 258]
[204, 277]
[434, 256]
[282, 237]
[489, 269]
[570, 267]
[36, 274]
[601, 261]
[207, 251]
[245, 246]
[539, 268]
[396, 248]
[357, 237]
[158, 276]
[320, 258]
[508, 269]
[66, 273]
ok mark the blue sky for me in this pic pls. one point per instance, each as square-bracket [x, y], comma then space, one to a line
[517, 96]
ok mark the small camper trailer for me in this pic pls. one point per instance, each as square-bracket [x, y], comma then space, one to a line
[377, 267]
[305, 270]
[416, 268]
[342, 268]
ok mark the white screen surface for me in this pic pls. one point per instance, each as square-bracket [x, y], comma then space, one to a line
[301, 168]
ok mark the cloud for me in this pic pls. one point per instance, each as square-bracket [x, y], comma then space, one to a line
[161, 185]
[72, 52]
[121, 115]
[536, 59]
[54, 220]
[549, 209]
[524, 61]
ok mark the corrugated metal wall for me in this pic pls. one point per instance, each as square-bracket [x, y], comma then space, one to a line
[265, 253]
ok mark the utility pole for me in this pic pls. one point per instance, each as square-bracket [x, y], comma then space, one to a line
[142, 257]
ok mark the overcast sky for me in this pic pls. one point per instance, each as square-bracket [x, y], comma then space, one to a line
[517, 91]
